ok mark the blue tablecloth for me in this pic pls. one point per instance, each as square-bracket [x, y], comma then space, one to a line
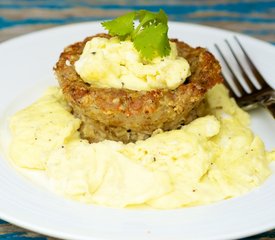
[255, 18]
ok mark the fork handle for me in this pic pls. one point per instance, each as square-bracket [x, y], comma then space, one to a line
[269, 103]
[271, 108]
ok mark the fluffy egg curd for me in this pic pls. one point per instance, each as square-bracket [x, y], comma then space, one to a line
[213, 158]
[111, 63]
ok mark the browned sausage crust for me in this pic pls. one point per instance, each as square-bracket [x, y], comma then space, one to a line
[128, 115]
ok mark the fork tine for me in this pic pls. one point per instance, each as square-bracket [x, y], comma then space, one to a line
[255, 71]
[231, 92]
[236, 82]
[246, 78]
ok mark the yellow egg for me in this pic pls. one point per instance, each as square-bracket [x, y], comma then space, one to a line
[110, 63]
[40, 128]
[213, 158]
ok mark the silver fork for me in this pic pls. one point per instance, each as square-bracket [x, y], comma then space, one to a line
[264, 96]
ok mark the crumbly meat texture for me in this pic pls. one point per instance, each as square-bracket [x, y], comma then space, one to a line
[128, 115]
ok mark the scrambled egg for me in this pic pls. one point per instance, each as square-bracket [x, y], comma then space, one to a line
[111, 63]
[40, 128]
[213, 158]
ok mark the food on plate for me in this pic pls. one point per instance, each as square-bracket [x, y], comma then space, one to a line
[215, 157]
[139, 121]
[119, 95]
[53, 114]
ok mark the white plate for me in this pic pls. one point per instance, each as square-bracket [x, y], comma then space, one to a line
[26, 69]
